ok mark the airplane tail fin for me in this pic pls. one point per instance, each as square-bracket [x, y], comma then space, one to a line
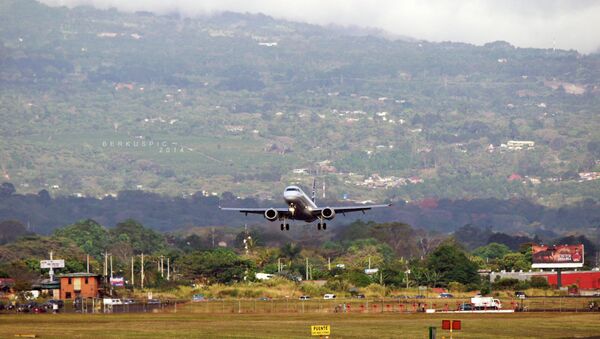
[314, 190]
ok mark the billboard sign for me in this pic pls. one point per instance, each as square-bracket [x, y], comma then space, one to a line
[52, 263]
[558, 256]
[117, 281]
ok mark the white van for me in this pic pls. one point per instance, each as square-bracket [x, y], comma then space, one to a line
[329, 296]
[110, 301]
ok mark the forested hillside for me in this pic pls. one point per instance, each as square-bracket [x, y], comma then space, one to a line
[94, 102]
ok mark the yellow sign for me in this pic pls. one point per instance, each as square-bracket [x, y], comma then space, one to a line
[320, 330]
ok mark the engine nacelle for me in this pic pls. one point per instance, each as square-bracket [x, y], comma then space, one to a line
[328, 213]
[271, 214]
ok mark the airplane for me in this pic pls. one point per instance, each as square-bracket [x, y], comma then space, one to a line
[301, 207]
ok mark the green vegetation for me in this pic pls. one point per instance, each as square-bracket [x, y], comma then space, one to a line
[400, 257]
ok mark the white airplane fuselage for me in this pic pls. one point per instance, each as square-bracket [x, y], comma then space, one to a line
[300, 205]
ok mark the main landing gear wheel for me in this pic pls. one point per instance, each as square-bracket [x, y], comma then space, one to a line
[285, 227]
[321, 226]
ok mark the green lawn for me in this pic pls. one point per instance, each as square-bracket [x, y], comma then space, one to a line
[164, 325]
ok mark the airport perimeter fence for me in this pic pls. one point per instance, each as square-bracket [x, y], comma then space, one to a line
[281, 306]
[291, 306]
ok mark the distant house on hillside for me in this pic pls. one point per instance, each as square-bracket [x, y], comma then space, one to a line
[300, 171]
[516, 145]
[515, 177]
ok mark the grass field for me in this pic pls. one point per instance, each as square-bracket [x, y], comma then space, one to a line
[190, 325]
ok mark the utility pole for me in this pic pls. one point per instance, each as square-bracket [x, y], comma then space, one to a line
[111, 268]
[105, 264]
[162, 267]
[132, 274]
[329, 263]
[168, 269]
[279, 265]
[213, 237]
[142, 272]
[306, 268]
[87, 261]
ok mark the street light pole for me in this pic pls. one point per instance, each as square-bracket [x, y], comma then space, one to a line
[142, 272]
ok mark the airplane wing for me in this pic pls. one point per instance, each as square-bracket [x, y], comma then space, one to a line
[281, 211]
[349, 209]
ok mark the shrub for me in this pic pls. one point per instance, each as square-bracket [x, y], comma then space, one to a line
[337, 285]
[455, 286]
[312, 289]
[522, 285]
[539, 282]
[359, 279]
[375, 290]
[506, 284]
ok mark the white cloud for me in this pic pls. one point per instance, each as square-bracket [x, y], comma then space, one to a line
[533, 23]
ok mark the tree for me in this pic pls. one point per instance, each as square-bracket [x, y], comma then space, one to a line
[399, 236]
[515, 261]
[492, 251]
[141, 239]
[87, 234]
[216, 266]
[472, 236]
[291, 251]
[356, 230]
[453, 264]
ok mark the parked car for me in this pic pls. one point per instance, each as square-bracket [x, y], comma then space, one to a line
[420, 296]
[304, 297]
[465, 307]
[520, 294]
[38, 309]
[128, 301]
[198, 298]
[360, 296]
[50, 304]
[22, 308]
[329, 296]
[264, 299]
[445, 295]
[153, 302]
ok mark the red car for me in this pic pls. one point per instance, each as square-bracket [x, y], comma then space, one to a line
[38, 309]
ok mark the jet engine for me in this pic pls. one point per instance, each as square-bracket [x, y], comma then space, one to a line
[328, 213]
[271, 214]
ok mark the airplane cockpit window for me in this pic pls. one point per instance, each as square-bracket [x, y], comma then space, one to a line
[291, 189]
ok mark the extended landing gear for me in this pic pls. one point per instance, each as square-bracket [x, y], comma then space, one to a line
[322, 226]
[285, 227]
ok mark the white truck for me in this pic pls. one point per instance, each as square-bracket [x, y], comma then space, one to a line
[485, 303]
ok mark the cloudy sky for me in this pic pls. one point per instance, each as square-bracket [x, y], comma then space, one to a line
[529, 23]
